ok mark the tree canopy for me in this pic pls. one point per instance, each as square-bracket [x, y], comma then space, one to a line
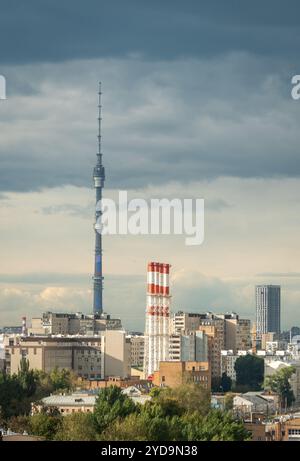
[279, 383]
[249, 372]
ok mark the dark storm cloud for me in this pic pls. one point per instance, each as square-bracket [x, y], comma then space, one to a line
[191, 90]
[184, 120]
[57, 30]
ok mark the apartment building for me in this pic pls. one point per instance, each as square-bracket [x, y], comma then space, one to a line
[189, 347]
[214, 329]
[137, 343]
[90, 357]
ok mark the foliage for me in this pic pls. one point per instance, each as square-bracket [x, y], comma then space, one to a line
[61, 379]
[221, 384]
[215, 426]
[280, 384]
[228, 401]
[11, 395]
[110, 405]
[249, 372]
[216, 384]
[177, 414]
[192, 397]
[19, 424]
[26, 378]
[45, 425]
[77, 426]
[226, 383]
[18, 391]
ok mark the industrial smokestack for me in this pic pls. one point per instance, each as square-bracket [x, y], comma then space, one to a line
[157, 316]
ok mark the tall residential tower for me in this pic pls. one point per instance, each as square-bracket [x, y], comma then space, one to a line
[99, 177]
[267, 309]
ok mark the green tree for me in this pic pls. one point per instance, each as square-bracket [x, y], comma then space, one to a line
[215, 426]
[249, 372]
[19, 424]
[111, 404]
[27, 378]
[279, 383]
[62, 379]
[161, 419]
[45, 425]
[226, 383]
[216, 384]
[77, 426]
[151, 425]
[228, 401]
[11, 395]
[192, 397]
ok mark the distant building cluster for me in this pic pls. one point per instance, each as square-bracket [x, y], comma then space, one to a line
[202, 346]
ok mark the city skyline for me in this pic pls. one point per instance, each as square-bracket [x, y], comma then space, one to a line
[197, 119]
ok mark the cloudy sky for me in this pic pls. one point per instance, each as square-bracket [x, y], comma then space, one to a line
[196, 103]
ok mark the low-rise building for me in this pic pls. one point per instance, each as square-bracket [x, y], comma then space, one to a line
[246, 404]
[173, 374]
[284, 429]
[82, 402]
[66, 404]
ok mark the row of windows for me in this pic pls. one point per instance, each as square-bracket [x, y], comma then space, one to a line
[294, 431]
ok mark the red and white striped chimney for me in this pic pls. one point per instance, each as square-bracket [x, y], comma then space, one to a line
[157, 316]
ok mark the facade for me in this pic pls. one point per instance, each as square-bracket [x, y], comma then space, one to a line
[137, 350]
[91, 358]
[117, 354]
[173, 374]
[287, 429]
[257, 430]
[237, 332]
[224, 331]
[228, 359]
[191, 347]
[214, 329]
[273, 346]
[268, 307]
[254, 402]
[268, 337]
[184, 322]
[62, 323]
[157, 330]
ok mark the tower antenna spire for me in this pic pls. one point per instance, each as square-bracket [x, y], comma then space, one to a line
[99, 123]
[99, 177]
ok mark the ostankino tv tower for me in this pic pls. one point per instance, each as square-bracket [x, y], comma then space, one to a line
[99, 177]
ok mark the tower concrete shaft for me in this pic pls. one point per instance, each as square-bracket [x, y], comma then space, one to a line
[99, 177]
